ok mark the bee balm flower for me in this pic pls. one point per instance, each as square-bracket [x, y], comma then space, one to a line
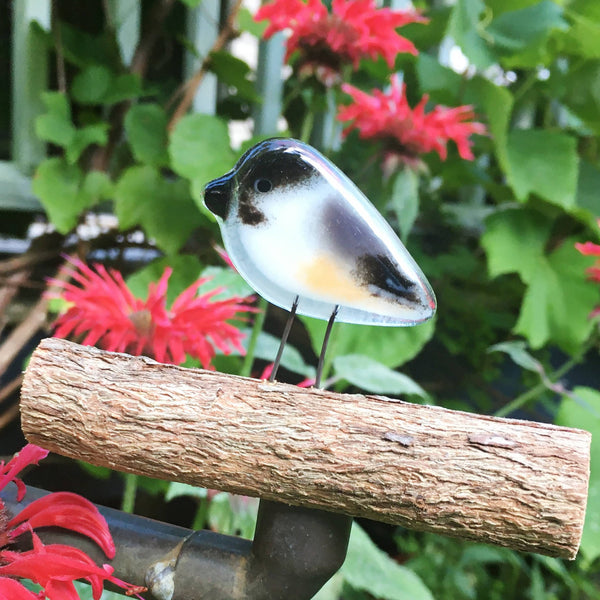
[326, 41]
[55, 566]
[409, 132]
[103, 308]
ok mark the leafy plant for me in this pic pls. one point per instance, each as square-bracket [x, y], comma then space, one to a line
[496, 235]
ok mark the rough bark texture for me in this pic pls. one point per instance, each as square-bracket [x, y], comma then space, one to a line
[515, 483]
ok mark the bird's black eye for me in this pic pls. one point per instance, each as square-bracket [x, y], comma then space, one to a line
[263, 185]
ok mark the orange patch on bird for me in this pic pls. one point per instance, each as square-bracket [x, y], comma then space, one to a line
[326, 278]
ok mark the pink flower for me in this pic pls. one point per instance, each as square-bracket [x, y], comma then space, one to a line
[406, 132]
[54, 567]
[103, 307]
[326, 41]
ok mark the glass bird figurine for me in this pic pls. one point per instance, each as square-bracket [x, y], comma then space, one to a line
[307, 239]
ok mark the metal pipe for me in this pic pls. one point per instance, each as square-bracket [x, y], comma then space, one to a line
[294, 552]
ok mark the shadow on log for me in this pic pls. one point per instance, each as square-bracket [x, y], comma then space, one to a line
[515, 483]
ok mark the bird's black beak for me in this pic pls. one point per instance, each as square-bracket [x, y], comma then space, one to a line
[217, 194]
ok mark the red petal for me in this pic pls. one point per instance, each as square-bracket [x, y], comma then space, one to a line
[67, 510]
[29, 455]
[11, 589]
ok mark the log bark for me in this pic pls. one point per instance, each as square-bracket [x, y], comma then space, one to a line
[515, 483]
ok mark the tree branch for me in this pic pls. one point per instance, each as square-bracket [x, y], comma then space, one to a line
[515, 483]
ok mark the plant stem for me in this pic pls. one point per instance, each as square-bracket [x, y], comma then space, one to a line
[307, 127]
[256, 329]
[540, 388]
[129, 493]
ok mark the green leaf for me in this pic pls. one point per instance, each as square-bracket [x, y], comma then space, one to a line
[588, 185]
[558, 300]
[146, 129]
[332, 590]
[521, 35]
[186, 270]
[496, 104]
[391, 346]
[371, 376]
[466, 26]
[544, 163]
[84, 49]
[584, 415]
[441, 82]
[84, 137]
[233, 71]
[514, 241]
[176, 489]
[369, 568]
[199, 150]
[405, 199]
[582, 85]
[91, 84]
[57, 185]
[55, 125]
[96, 471]
[163, 208]
[266, 349]
[247, 23]
[123, 87]
[519, 355]
[96, 186]
[583, 35]
[231, 281]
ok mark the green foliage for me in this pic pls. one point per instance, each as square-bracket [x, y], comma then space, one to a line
[65, 191]
[558, 300]
[163, 208]
[495, 236]
[391, 346]
[146, 128]
[405, 200]
[543, 163]
[56, 127]
[372, 376]
[581, 409]
[199, 150]
[369, 568]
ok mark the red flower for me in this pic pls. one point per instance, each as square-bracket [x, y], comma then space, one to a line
[104, 307]
[11, 589]
[54, 567]
[408, 132]
[354, 29]
[588, 249]
[591, 249]
[305, 383]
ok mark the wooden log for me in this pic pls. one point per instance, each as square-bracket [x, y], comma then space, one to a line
[515, 483]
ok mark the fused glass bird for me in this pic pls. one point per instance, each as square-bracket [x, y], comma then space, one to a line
[307, 240]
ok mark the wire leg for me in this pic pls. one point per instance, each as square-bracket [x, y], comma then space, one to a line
[284, 337]
[324, 346]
